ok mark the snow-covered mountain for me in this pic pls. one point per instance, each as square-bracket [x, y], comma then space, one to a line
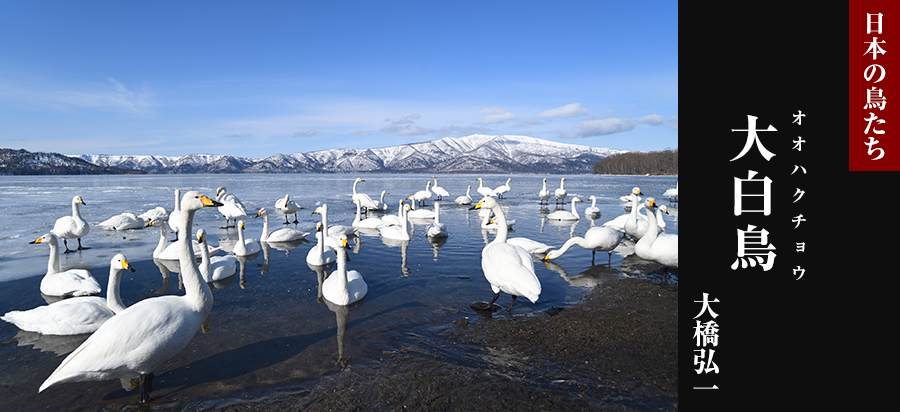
[471, 154]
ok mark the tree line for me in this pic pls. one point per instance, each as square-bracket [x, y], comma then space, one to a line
[639, 163]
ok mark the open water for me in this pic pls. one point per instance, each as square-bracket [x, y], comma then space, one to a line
[268, 329]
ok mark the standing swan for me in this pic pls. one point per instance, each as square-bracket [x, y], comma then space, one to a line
[658, 247]
[483, 191]
[544, 193]
[73, 282]
[135, 342]
[342, 287]
[439, 191]
[364, 200]
[503, 189]
[422, 195]
[507, 267]
[76, 315]
[598, 238]
[231, 208]
[71, 227]
[175, 217]
[287, 207]
[560, 192]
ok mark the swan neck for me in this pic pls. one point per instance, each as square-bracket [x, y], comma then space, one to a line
[113, 299]
[652, 228]
[569, 243]
[265, 232]
[53, 263]
[502, 227]
[163, 238]
[76, 210]
[196, 290]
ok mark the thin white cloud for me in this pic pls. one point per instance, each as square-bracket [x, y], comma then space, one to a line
[109, 96]
[567, 111]
[600, 127]
[495, 115]
[307, 133]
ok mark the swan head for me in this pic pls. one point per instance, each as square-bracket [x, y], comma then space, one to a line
[46, 238]
[636, 190]
[241, 224]
[664, 209]
[650, 204]
[576, 199]
[486, 203]
[322, 209]
[119, 261]
[78, 199]
[193, 200]
[201, 235]
[262, 212]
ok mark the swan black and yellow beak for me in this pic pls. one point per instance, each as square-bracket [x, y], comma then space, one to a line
[477, 206]
[652, 203]
[207, 202]
[126, 265]
[344, 242]
[36, 241]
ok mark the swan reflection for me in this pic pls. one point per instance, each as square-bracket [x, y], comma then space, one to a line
[403, 245]
[58, 344]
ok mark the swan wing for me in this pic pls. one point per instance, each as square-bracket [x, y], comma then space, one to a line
[510, 269]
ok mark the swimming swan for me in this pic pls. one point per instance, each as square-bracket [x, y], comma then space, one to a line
[216, 268]
[565, 214]
[367, 223]
[281, 235]
[658, 247]
[364, 200]
[343, 287]
[507, 267]
[135, 342]
[73, 282]
[75, 316]
[244, 247]
[321, 254]
[71, 227]
[592, 210]
[437, 229]
[464, 199]
[397, 232]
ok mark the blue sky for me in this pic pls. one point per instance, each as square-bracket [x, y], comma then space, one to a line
[254, 79]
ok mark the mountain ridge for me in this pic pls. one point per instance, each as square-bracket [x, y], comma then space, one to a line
[470, 154]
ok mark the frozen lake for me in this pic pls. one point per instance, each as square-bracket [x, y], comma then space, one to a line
[267, 326]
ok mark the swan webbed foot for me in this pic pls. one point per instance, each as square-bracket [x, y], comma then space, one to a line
[146, 383]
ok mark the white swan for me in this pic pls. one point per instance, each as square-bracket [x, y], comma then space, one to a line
[169, 251]
[75, 316]
[216, 268]
[670, 193]
[244, 247]
[287, 207]
[440, 192]
[637, 225]
[158, 212]
[364, 199]
[397, 232]
[381, 204]
[560, 192]
[72, 227]
[596, 239]
[367, 223]
[565, 214]
[508, 268]
[482, 190]
[658, 247]
[492, 224]
[544, 194]
[531, 246]
[73, 282]
[502, 189]
[124, 221]
[174, 221]
[422, 195]
[343, 287]
[232, 208]
[437, 229]
[333, 230]
[394, 219]
[135, 342]
[321, 254]
[592, 210]
[465, 199]
[419, 213]
[285, 234]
